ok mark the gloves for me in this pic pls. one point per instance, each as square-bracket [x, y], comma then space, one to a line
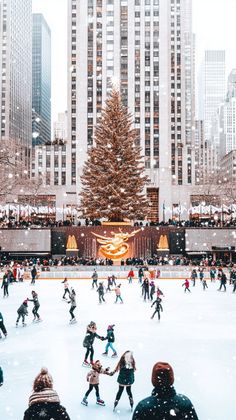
[103, 338]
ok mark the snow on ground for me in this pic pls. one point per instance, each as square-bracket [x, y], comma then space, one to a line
[196, 335]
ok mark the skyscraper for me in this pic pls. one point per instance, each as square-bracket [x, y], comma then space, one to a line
[41, 87]
[146, 48]
[214, 87]
[16, 73]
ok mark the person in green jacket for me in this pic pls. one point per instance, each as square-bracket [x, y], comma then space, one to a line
[164, 403]
[125, 368]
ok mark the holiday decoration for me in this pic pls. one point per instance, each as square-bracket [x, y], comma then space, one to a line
[115, 248]
[113, 177]
[163, 243]
[71, 243]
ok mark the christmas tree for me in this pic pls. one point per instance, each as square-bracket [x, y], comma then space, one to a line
[113, 177]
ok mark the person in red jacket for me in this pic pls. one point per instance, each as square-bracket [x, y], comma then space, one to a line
[186, 284]
[130, 275]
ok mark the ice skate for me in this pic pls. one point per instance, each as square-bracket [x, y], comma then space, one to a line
[24, 325]
[86, 364]
[73, 321]
[39, 320]
[100, 402]
[115, 405]
[114, 354]
[17, 325]
[105, 353]
[84, 401]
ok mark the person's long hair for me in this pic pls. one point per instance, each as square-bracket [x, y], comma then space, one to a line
[122, 362]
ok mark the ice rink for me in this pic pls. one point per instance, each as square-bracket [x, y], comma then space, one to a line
[196, 335]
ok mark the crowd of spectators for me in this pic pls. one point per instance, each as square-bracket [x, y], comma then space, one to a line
[12, 223]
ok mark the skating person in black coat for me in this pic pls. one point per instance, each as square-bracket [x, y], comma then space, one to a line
[223, 281]
[5, 284]
[89, 338]
[36, 303]
[158, 308]
[33, 274]
[2, 326]
[44, 402]
[164, 402]
[145, 287]
[100, 291]
[22, 312]
[1, 376]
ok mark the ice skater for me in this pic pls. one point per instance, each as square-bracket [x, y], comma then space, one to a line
[118, 294]
[95, 279]
[223, 281]
[113, 279]
[89, 338]
[152, 289]
[93, 379]
[145, 287]
[22, 313]
[130, 275]
[110, 340]
[72, 301]
[194, 276]
[204, 283]
[109, 284]
[66, 288]
[33, 274]
[2, 326]
[234, 286]
[158, 308]
[186, 284]
[36, 303]
[126, 368]
[101, 292]
[5, 284]
[140, 275]
[159, 292]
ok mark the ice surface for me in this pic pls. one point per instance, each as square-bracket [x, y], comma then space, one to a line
[196, 335]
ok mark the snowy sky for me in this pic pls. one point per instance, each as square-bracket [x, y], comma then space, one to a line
[213, 23]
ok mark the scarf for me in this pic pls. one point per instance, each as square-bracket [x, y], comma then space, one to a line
[48, 395]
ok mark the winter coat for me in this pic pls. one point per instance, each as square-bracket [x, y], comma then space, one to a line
[100, 290]
[93, 376]
[72, 300]
[22, 310]
[1, 318]
[45, 405]
[89, 338]
[35, 301]
[165, 404]
[110, 336]
[1, 376]
[158, 305]
[223, 279]
[5, 280]
[126, 376]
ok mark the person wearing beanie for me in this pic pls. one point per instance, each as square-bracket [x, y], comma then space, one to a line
[110, 340]
[164, 403]
[22, 312]
[93, 379]
[44, 402]
[186, 285]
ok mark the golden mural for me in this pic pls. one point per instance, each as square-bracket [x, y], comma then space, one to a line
[116, 247]
[163, 243]
[71, 243]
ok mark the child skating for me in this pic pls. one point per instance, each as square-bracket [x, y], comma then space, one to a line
[89, 338]
[118, 294]
[93, 379]
[186, 284]
[72, 301]
[158, 308]
[22, 313]
[110, 340]
[204, 284]
[36, 303]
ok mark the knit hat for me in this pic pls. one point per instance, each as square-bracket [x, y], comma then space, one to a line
[43, 380]
[110, 327]
[25, 302]
[162, 374]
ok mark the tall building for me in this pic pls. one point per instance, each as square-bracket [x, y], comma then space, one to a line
[146, 48]
[60, 126]
[41, 86]
[227, 118]
[214, 87]
[16, 74]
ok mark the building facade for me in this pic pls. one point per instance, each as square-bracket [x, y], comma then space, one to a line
[16, 75]
[214, 87]
[60, 127]
[146, 48]
[41, 82]
[228, 166]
